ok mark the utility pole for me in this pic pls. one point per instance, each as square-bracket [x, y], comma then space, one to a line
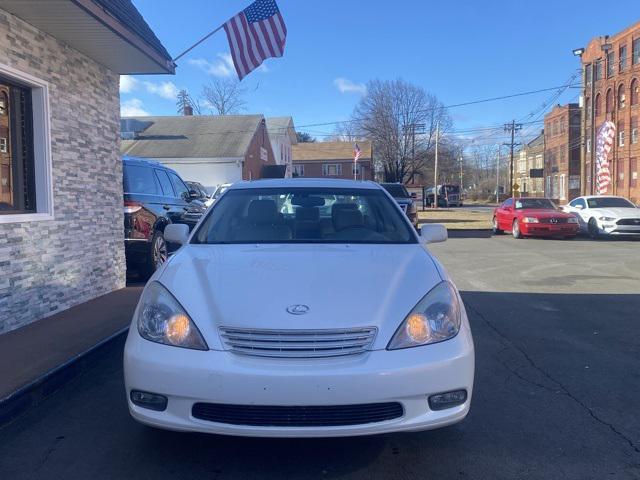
[498, 176]
[435, 171]
[512, 127]
[461, 176]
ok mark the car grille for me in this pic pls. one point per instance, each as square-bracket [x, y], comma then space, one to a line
[298, 343]
[629, 221]
[555, 220]
[297, 416]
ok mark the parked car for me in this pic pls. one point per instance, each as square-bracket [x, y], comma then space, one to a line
[199, 192]
[267, 324]
[448, 196]
[406, 200]
[154, 196]
[220, 189]
[533, 217]
[601, 216]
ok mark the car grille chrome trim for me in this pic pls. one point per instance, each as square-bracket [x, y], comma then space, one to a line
[629, 221]
[298, 343]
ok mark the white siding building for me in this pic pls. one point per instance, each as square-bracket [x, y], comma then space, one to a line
[283, 135]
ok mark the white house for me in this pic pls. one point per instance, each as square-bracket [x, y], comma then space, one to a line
[208, 149]
[282, 133]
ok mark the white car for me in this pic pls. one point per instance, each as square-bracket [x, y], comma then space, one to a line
[605, 215]
[316, 323]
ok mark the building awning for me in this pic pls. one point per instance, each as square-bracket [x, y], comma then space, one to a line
[112, 32]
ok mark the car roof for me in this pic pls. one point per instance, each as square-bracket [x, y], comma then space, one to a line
[305, 182]
[143, 162]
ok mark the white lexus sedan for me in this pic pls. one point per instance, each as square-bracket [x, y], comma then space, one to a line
[601, 216]
[300, 308]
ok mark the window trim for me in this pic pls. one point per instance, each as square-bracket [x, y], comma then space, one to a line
[41, 147]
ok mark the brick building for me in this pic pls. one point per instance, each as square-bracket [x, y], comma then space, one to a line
[332, 159]
[61, 216]
[531, 161]
[612, 92]
[562, 142]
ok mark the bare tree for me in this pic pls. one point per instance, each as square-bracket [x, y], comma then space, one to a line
[186, 100]
[401, 119]
[348, 131]
[224, 97]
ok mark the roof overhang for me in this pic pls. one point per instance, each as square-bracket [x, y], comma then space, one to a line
[87, 27]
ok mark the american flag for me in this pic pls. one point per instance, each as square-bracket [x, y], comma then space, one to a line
[357, 153]
[604, 145]
[255, 34]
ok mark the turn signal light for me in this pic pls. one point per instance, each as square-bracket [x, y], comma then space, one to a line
[132, 207]
[150, 401]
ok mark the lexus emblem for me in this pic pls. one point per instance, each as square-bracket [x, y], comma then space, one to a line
[297, 309]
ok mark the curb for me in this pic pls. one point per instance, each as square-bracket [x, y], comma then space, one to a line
[39, 389]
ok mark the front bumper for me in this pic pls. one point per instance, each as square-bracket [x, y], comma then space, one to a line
[549, 229]
[408, 376]
[615, 229]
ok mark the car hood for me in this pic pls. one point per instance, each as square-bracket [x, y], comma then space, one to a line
[616, 212]
[344, 286]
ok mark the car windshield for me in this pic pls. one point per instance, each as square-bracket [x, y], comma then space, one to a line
[527, 203]
[396, 190]
[304, 215]
[609, 202]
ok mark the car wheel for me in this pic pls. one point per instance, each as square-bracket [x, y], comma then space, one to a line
[594, 231]
[515, 230]
[158, 253]
[496, 230]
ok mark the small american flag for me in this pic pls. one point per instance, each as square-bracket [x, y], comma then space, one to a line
[255, 34]
[604, 145]
[357, 153]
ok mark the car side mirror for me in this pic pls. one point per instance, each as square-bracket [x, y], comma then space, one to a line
[193, 194]
[176, 233]
[433, 233]
[414, 195]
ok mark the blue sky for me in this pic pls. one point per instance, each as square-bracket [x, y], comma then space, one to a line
[458, 50]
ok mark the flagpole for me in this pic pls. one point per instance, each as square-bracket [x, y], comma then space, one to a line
[197, 43]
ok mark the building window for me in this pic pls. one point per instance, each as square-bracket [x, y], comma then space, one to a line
[635, 91]
[598, 72]
[598, 105]
[636, 51]
[588, 106]
[634, 131]
[623, 58]
[588, 145]
[562, 189]
[4, 145]
[588, 74]
[620, 170]
[331, 169]
[633, 167]
[356, 169]
[611, 63]
[298, 170]
[622, 96]
[609, 101]
[621, 138]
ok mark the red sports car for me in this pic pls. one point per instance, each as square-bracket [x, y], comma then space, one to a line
[533, 217]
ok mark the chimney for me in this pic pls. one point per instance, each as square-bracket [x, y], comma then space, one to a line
[188, 111]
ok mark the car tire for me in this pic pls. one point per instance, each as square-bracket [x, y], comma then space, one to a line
[515, 230]
[592, 228]
[496, 230]
[158, 253]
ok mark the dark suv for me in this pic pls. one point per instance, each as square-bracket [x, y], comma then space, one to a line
[404, 199]
[154, 197]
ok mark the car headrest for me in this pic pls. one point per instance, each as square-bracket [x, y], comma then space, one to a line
[307, 214]
[347, 218]
[262, 212]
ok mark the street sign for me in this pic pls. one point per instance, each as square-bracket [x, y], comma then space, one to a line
[516, 187]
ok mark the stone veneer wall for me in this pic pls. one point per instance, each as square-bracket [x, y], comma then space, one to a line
[49, 266]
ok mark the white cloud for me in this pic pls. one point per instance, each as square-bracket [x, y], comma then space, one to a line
[133, 108]
[128, 84]
[347, 86]
[166, 90]
[222, 67]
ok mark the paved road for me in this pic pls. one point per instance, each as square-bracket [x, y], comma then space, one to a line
[557, 390]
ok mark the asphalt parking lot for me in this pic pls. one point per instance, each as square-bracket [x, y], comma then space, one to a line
[556, 327]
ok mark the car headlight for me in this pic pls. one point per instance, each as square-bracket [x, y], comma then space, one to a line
[434, 319]
[530, 220]
[161, 319]
[572, 220]
[607, 219]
